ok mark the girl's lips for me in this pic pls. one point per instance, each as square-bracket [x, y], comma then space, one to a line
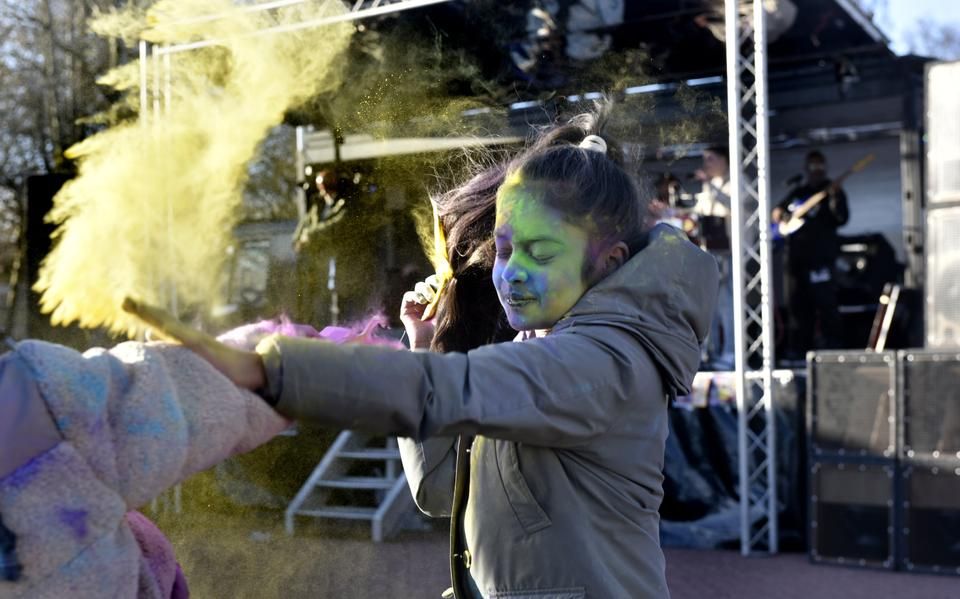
[517, 301]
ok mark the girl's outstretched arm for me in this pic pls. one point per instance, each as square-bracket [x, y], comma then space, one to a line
[557, 391]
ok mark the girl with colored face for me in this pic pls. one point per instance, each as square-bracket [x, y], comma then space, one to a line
[561, 435]
[539, 272]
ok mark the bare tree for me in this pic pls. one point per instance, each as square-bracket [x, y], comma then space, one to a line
[927, 37]
[930, 37]
[50, 65]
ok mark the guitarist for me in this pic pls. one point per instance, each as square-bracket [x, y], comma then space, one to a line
[811, 252]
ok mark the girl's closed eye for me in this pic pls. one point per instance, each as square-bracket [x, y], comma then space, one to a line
[543, 252]
[542, 258]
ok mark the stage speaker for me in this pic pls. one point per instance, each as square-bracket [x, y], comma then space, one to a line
[852, 516]
[930, 460]
[851, 410]
[930, 532]
[865, 263]
[38, 193]
[943, 205]
[930, 411]
[943, 133]
[943, 277]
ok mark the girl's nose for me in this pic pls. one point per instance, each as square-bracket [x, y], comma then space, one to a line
[513, 272]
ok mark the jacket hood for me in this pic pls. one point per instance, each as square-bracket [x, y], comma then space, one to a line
[665, 296]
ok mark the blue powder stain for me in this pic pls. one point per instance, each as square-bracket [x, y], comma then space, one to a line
[76, 520]
[96, 388]
[172, 407]
[22, 476]
[149, 428]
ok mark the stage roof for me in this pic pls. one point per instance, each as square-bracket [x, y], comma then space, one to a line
[680, 37]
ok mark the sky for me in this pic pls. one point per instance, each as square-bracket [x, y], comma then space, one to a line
[900, 17]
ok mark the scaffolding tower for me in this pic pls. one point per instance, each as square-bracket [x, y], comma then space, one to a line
[746, 47]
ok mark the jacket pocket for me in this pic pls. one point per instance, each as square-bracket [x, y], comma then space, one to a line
[567, 593]
[528, 512]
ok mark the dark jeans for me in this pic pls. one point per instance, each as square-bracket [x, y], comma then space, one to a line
[812, 304]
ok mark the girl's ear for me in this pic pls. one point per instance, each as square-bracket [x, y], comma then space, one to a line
[612, 259]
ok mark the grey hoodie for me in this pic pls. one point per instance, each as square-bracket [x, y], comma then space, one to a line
[566, 470]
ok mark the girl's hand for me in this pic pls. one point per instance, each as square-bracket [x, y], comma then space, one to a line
[414, 303]
[244, 368]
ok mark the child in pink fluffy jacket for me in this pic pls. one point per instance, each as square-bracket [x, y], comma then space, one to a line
[87, 438]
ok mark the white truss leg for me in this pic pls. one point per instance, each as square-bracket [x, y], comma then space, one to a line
[752, 282]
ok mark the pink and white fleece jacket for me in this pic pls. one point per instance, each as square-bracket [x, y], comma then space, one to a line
[129, 423]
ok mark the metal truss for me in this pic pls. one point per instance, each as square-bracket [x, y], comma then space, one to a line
[746, 46]
[155, 62]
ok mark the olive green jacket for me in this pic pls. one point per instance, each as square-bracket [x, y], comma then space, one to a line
[566, 470]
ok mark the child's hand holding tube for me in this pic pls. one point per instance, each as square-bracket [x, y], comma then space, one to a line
[417, 310]
[244, 368]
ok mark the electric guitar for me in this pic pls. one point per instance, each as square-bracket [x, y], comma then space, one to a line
[800, 208]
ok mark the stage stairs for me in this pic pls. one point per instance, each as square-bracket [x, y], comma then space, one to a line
[335, 490]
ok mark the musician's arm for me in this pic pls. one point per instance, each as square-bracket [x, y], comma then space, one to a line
[839, 207]
[780, 209]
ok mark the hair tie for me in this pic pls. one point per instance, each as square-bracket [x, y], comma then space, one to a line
[594, 143]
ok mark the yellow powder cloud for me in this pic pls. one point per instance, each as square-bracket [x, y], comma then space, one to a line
[151, 211]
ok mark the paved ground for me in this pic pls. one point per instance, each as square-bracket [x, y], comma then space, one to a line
[250, 557]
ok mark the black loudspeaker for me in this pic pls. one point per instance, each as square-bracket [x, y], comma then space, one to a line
[39, 191]
[852, 515]
[930, 530]
[930, 460]
[851, 405]
[930, 412]
[906, 330]
[865, 264]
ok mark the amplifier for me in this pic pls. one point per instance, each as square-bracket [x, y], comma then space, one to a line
[851, 404]
[852, 515]
[930, 503]
[930, 411]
